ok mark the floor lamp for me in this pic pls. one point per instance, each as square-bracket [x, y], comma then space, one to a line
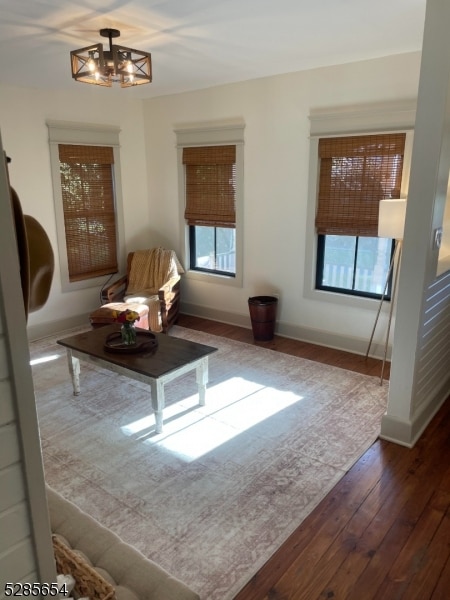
[391, 224]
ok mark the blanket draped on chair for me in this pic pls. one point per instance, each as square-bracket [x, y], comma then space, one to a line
[149, 271]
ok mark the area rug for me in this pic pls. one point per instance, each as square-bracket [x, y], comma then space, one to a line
[212, 497]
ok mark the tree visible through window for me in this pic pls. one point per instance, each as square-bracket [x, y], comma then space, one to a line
[87, 187]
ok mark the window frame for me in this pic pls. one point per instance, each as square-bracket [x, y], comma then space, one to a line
[193, 248]
[65, 132]
[386, 117]
[349, 292]
[212, 134]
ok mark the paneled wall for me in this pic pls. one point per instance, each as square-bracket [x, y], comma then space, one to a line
[25, 543]
[433, 352]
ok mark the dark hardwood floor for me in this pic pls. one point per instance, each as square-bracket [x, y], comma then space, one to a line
[383, 532]
[329, 356]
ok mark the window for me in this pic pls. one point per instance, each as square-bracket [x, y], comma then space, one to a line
[210, 175]
[354, 265]
[87, 195]
[211, 202]
[89, 211]
[213, 249]
[355, 173]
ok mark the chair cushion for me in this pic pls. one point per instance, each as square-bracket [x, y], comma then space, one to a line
[153, 305]
[105, 314]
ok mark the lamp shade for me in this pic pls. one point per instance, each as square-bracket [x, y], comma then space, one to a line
[391, 218]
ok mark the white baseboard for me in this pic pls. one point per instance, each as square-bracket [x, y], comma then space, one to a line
[36, 332]
[406, 433]
[295, 332]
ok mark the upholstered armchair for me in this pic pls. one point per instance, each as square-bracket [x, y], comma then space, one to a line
[152, 279]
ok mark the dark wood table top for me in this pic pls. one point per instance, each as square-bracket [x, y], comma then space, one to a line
[170, 354]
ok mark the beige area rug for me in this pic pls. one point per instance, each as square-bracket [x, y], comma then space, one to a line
[212, 497]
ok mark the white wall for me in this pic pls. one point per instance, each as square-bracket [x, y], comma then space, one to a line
[420, 378]
[23, 115]
[276, 161]
[276, 165]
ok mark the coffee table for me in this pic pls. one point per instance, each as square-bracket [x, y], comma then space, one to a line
[171, 358]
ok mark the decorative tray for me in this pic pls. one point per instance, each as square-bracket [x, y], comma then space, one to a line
[145, 341]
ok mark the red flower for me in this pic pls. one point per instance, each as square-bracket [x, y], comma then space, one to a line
[126, 316]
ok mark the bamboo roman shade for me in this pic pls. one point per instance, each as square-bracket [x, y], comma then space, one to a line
[356, 172]
[89, 210]
[210, 185]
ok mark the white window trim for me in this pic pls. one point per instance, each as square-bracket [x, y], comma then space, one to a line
[89, 134]
[365, 120]
[213, 134]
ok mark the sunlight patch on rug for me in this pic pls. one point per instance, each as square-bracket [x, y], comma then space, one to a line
[242, 405]
[44, 359]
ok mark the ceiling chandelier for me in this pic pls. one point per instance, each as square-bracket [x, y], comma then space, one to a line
[119, 64]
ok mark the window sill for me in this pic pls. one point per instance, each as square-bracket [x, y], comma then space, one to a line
[214, 278]
[342, 299]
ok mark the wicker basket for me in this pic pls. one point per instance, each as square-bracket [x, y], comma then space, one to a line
[88, 583]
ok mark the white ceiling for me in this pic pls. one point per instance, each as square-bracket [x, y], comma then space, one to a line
[201, 43]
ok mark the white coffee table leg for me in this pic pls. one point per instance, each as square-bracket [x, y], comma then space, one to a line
[202, 380]
[74, 369]
[157, 388]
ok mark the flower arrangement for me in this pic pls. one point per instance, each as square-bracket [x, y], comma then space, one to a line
[127, 318]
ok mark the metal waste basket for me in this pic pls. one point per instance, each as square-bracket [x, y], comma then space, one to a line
[263, 312]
